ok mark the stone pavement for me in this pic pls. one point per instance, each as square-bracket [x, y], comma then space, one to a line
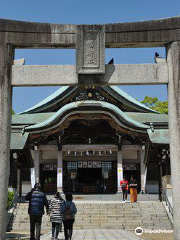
[109, 197]
[98, 234]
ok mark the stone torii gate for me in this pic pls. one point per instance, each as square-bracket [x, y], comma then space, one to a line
[90, 42]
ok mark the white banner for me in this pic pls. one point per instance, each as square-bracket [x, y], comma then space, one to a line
[120, 176]
[145, 175]
[33, 179]
[59, 177]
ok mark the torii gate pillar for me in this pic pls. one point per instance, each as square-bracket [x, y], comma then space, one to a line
[6, 58]
[173, 59]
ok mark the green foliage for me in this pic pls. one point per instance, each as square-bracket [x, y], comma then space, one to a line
[156, 105]
[50, 180]
[10, 199]
[13, 112]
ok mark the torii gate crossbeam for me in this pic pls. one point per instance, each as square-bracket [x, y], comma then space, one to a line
[90, 42]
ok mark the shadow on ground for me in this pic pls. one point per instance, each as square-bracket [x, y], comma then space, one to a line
[22, 235]
[17, 236]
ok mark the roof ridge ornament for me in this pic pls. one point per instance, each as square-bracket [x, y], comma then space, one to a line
[90, 93]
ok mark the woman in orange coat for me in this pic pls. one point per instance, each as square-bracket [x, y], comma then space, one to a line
[133, 190]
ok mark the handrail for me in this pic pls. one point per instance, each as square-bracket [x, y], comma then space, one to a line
[168, 204]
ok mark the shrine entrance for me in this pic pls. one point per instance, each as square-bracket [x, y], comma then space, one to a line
[90, 177]
[48, 177]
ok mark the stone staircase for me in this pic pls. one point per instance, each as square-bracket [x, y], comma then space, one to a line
[149, 215]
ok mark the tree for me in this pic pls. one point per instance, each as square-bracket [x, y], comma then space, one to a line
[13, 112]
[155, 104]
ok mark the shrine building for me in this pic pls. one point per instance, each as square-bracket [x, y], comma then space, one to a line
[85, 139]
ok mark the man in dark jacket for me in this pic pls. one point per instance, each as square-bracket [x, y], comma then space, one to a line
[37, 200]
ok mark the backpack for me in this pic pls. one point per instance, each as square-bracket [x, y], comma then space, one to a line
[123, 185]
[68, 213]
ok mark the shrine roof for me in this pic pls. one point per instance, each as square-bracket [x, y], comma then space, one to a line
[58, 95]
[159, 136]
[18, 140]
[123, 96]
[67, 92]
[148, 117]
[83, 106]
[28, 119]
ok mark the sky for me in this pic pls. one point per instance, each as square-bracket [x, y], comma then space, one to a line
[86, 12]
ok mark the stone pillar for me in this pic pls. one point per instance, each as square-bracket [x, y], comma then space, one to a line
[60, 172]
[143, 170]
[173, 59]
[36, 165]
[6, 58]
[119, 170]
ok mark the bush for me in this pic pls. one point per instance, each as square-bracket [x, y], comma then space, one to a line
[10, 199]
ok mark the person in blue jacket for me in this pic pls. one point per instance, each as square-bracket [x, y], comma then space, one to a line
[68, 210]
[37, 201]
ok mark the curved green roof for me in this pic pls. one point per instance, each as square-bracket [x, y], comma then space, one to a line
[124, 97]
[159, 136]
[65, 92]
[57, 96]
[88, 106]
[29, 119]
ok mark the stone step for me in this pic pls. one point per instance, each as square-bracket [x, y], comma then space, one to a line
[101, 216]
[162, 221]
[101, 226]
[80, 210]
[151, 215]
[110, 208]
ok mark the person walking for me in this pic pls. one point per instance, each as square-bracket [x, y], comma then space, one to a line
[69, 210]
[124, 187]
[56, 215]
[37, 200]
[133, 190]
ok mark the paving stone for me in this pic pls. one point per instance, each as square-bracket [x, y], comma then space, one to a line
[99, 234]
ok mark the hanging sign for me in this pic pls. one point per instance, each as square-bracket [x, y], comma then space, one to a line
[98, 164]
[85, 164]
[80, 164]
[94, 164]
[90, 164]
